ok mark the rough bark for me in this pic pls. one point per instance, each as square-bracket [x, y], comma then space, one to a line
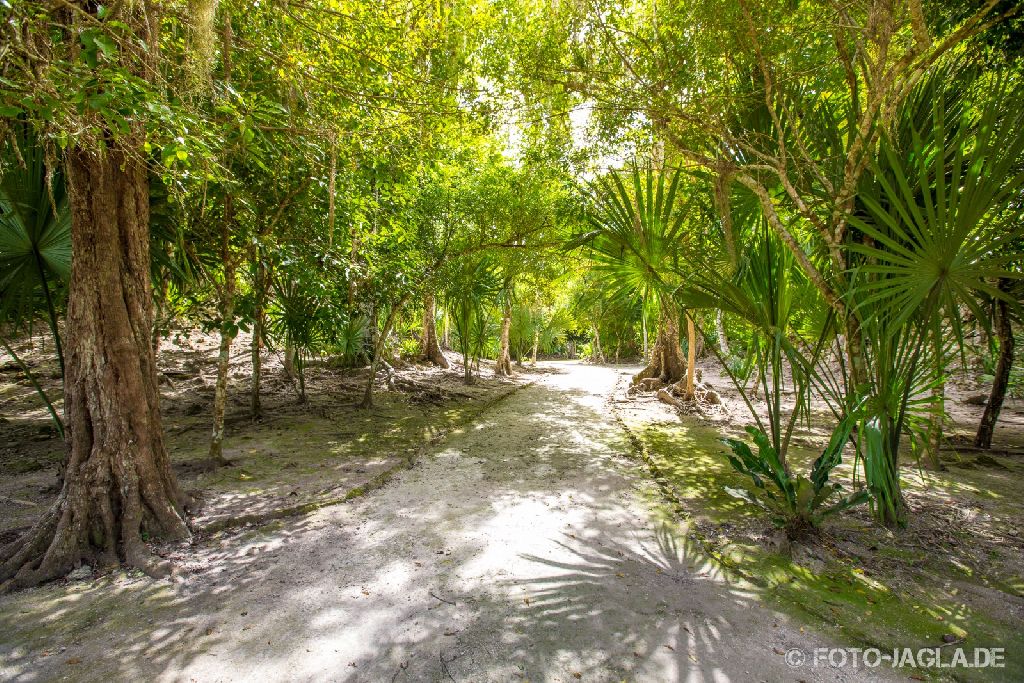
[1004, 332]
[666, 361]
[430, 347]
[503, 367]
[117, 480]
[227, 335]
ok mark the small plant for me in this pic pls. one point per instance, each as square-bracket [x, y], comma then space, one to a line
[409, 348]
[798, 503]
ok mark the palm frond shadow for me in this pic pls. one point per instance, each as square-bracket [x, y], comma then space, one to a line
[603, 587]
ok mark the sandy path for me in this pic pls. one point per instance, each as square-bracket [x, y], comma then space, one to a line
[526, 548]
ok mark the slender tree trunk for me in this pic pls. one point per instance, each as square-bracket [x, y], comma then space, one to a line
[258, 326]
[158, 318]
[51, 311]
[430, 348]
[855, 352]
[938, 413]
[289, 359]
[643, 328]
[598, 353]
[1004, 332]
[227, 335]
[378, 351]
[118, 481]
[691, 356]
[504, 365]
[536, 343]
[300, 373]
[723, 340]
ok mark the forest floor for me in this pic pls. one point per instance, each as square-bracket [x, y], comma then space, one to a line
[548, 528]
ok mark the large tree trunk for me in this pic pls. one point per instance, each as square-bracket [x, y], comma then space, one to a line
[227, 335]
[1004, 332]
[430, 348]
[503, 368]
[666, 362]
[118, 481]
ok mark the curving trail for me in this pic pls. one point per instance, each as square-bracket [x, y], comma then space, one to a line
[526, 548]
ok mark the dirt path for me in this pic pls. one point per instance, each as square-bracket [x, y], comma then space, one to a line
[527, 547]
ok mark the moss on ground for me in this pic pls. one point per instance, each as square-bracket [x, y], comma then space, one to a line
[863, 585]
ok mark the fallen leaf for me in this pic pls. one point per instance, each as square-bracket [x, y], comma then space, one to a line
[74, 660]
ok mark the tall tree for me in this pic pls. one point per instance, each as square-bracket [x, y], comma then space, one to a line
[117, 480]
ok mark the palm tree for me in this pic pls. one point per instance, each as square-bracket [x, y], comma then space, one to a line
[636, 239]
[35, 236]
[938, 227]
[471, 289]
[35, 245]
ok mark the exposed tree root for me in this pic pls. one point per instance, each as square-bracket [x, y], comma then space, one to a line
[81, 528]
[667, 362]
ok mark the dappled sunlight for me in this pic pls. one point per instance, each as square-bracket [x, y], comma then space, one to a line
[530, 549]
[943, 577]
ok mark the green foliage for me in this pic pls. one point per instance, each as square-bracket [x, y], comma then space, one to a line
[797, 502]
[35, 234]
[636, 231]
[941, 224]
[35, 247]
[471, 290]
